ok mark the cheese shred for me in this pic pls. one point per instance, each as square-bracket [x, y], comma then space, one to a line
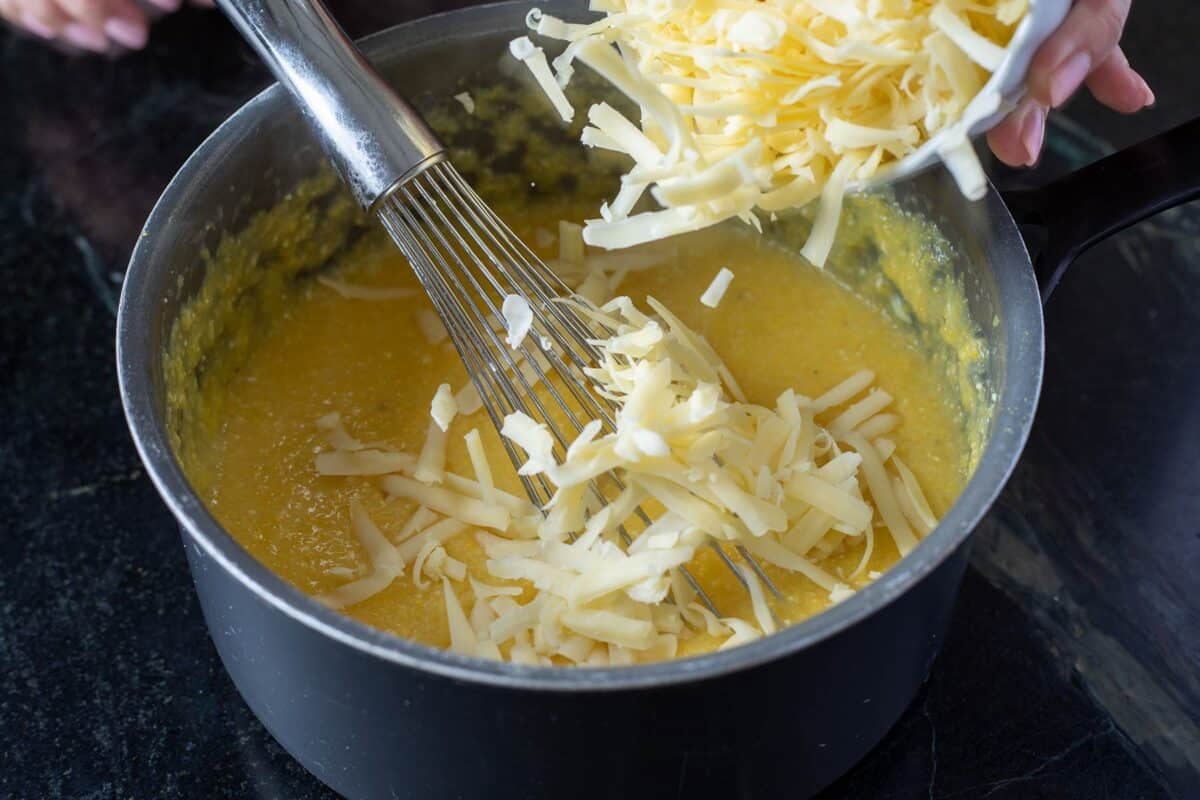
[792, 484]
[769, 105]
[716, 290]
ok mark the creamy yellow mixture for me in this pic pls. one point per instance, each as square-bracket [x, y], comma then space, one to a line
[263, 350]
[782, 324]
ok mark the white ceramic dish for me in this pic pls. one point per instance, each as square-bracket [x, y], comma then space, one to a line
[999, 96]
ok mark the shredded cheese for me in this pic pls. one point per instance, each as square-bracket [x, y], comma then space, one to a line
[386, 563]
[468, 400]
[431, 463]
[791, 483]
[462, 636]
[362, 462]
[466, 101]
[336, 432]
[444, 408]
[571, 248]
[716, 290]
[479, 462]
[535, 58]
[840, 593]
[770, 105]
[431, 326]
[458, 506]
[354, 292]
[518, 318]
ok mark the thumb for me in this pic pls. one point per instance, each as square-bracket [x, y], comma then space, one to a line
[1083, 42]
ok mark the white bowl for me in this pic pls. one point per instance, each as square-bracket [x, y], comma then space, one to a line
[1000, 95]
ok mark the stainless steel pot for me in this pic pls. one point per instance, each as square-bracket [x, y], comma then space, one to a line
[375, 716]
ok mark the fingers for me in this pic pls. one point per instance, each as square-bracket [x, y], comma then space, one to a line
[1084, 41]
[39, 17]
[1017, 140]
[126, 24]
[1085, 49]
[88, 13]
[83, 24]
[1115, 84]
[92, 25]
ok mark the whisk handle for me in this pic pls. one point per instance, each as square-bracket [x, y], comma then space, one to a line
[374, 138]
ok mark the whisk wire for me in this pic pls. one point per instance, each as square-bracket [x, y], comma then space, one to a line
[544, 284]
[402, 226]
[492, 312]
[539, 489]
[468, 261]
[550, 317]
[547, 286]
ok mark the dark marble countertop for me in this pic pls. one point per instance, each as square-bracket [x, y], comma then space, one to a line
[1070, 671]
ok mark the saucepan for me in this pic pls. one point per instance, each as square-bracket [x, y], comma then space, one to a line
[375, 716]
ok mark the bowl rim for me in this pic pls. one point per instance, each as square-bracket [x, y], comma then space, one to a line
[138, 364]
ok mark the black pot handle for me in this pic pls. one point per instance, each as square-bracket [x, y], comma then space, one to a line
[1089, 205]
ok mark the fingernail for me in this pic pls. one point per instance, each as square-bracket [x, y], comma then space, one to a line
[1069, 76]
[37, 27]
[1033, 132]
[167, 5]
[85, 37]
[1148, 98]
[126, 32]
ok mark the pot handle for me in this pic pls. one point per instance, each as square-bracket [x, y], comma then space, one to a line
[1087, 206]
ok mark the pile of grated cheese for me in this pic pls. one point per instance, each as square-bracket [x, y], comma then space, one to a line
[769, 105]
[793, 483]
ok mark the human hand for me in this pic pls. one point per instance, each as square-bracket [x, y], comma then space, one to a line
[1085, 49]
[95, 25]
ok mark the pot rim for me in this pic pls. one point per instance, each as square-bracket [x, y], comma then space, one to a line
[138, 365]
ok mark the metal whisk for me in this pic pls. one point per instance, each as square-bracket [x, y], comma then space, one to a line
[465, 256]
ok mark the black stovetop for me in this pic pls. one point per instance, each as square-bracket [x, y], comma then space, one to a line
[1070, 670]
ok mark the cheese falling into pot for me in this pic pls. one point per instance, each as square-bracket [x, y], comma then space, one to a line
[767, 106]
